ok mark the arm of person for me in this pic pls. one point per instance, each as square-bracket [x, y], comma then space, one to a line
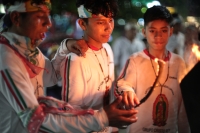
[125, 84]
[75, 74]
[67, 45]
[17, 89]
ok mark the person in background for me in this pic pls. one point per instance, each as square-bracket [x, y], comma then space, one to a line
[177, 39]
[126, 45]
[24, 71]
[162, 108]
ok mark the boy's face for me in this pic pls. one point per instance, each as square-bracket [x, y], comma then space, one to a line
[34, 25]
[157, 34]
[99, 29]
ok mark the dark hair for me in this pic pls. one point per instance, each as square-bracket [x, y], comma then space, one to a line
[157, 13]
[108, 8]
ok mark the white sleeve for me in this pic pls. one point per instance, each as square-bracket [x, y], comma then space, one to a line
[127, 79]
[75, 124]
[74, 74]
[17, 89]
[51, 77]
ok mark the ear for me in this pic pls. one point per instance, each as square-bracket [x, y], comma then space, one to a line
[82, 24]
[15, 18]
[144, 32]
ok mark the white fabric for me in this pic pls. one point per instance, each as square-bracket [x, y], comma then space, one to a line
[176, 43]
[140, 76]
[123, 48]
[19, 7]
[86, 80]
[10, 109]
[84, 13]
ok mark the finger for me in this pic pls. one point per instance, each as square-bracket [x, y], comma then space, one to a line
[131, 99]
[127, 113]
[127, 120]
[136, 100]
[125, 100]
[82, 46]
[76, 50]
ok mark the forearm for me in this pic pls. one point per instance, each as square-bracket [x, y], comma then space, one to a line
[76, 124]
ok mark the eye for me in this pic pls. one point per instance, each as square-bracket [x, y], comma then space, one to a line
[152, 31]
[111, 20]
[164, 31]
[100, 22]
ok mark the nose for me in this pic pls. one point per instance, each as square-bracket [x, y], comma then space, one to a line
[47, 22]
[158, 34]
[109, 26]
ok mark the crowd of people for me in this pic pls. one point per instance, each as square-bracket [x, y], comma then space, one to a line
[88, 85]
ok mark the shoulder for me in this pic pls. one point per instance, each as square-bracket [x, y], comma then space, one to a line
[175, 57]
[138, 57]
[177, 61]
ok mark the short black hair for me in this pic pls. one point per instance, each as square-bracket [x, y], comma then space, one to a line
[157, 13]
[108, 8]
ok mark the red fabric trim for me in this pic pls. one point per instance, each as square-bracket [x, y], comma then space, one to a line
[31, 69]
[64, 89]
[36, 120]
[167, 58]
[93, 48]
[11, 90]
[55, 106]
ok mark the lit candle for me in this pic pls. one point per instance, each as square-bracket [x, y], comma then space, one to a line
[157, 66]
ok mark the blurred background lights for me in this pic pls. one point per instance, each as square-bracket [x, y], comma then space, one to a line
[121, 21]
[2, 9]
[138, 4]
[144, 9]
[171, 9]
[141, 21]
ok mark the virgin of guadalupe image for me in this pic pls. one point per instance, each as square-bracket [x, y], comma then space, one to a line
[160, 110]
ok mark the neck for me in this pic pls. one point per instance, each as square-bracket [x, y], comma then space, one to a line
[160, 54]
[93, 44]
[31, 45]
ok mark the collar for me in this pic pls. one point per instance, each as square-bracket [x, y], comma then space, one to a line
[23, 45]
[167, 58]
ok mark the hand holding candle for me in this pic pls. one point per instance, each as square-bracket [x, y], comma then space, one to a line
[160, 65]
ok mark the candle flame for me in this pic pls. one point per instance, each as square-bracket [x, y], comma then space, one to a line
[195, 50]
[158, 62]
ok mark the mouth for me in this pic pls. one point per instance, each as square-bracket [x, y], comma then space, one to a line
[42, 36]
[157, 43]
[106, 36]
